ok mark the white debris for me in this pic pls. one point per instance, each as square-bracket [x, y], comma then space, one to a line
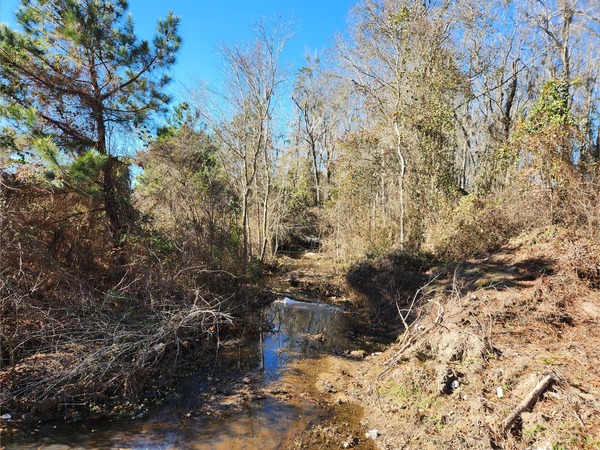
[350, 443]
[500, 392]
[455, 384]
[6, 417]
[158, 348]
[372, 434]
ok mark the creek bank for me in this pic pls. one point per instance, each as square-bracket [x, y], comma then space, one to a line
[108, 363]
[482, 337]
[500, 322]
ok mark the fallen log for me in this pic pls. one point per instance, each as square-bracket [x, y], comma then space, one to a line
[527, 402]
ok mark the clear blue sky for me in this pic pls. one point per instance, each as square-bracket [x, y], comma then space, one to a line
[205, 23]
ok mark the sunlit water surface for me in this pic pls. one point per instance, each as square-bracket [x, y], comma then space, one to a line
[294, 330]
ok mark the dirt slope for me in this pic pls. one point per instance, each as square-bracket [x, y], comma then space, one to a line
[484, 335]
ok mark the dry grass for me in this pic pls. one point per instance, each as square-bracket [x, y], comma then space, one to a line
[482, 223]
[59, 355]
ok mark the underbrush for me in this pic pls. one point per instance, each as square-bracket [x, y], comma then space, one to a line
[59, 357]
[482, 223]
[86, 325]
[387, 284]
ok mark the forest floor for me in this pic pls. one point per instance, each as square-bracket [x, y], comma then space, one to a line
[481, 336]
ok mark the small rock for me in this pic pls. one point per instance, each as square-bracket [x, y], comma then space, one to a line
[279, 392]
[445, 380]
[327, 387]
[372, 434]
[455, 384]
[341, 401]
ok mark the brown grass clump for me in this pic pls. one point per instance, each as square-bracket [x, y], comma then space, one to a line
[480, 223]
[584, 260]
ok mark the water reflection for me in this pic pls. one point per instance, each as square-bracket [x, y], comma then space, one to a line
[300, 330]
[291, 330]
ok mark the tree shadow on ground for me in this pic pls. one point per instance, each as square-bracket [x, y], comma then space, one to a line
[389, 283]
[494, 272]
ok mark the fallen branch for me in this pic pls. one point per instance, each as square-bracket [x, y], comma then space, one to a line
[527, 402]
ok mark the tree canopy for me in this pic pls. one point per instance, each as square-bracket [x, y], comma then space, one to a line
[77, 78]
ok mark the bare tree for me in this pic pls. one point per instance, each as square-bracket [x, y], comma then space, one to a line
[241, 117]
[569, 33]
[319, 116]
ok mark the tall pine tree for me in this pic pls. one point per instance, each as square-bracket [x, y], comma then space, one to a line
[77, 79]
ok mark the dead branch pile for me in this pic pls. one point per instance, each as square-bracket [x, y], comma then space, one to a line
[55, 356]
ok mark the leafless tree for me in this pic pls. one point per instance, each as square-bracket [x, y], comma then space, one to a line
[241, 115]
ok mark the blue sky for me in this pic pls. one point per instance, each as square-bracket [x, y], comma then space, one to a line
[206, 23]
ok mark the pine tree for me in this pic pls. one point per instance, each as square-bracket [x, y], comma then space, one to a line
[77, 79]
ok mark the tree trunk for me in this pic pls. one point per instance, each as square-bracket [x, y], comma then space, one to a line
[400, 183]
[508, 105]
[265, 208]
[111, 202]
[112, 196]
[313, 150]
[245, 224]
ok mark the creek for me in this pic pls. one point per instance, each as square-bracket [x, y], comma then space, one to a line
[239, 414]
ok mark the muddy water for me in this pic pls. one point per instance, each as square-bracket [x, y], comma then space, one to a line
[292, 331]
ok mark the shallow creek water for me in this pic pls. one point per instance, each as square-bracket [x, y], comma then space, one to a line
[293, 331]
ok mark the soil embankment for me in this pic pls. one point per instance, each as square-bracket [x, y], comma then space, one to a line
[482, 335]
